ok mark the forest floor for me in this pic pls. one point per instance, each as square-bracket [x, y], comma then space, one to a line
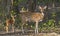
[31, 34]
[19, 33]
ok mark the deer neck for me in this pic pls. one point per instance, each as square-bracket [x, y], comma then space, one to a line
[42, 13]
[13, 19]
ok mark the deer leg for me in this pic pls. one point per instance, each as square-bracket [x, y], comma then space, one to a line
[22, 28]
[6, 27]
[36, 29]
[13, 27]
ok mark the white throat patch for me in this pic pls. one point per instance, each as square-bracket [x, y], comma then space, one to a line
[43, 14]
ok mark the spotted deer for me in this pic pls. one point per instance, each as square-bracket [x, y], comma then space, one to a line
[10, 21]
[33, 16]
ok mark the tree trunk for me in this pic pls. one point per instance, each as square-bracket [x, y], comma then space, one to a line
[53, 5]
[32, 5]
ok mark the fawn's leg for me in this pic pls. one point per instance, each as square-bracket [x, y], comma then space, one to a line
[36, 29]
[6, 27]
[22, 28]
[13, 27]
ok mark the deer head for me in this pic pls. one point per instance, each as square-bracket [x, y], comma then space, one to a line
[42, 8]
[13, 17]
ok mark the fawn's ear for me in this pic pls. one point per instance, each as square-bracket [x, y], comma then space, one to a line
[40, 7]
[45, 7]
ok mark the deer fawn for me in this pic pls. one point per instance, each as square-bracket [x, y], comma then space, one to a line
[33, 16]
[10, 21]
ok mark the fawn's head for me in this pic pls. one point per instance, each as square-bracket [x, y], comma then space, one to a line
[42, 8]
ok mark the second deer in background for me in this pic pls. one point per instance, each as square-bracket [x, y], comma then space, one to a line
[10, 21]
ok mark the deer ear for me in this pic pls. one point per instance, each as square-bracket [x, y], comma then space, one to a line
[45, 7]
[39, 7]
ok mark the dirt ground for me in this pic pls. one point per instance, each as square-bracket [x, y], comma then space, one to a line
[28, 33]
[32, 34]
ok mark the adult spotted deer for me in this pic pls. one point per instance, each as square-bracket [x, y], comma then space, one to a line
[10, 21]
[33, 16]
